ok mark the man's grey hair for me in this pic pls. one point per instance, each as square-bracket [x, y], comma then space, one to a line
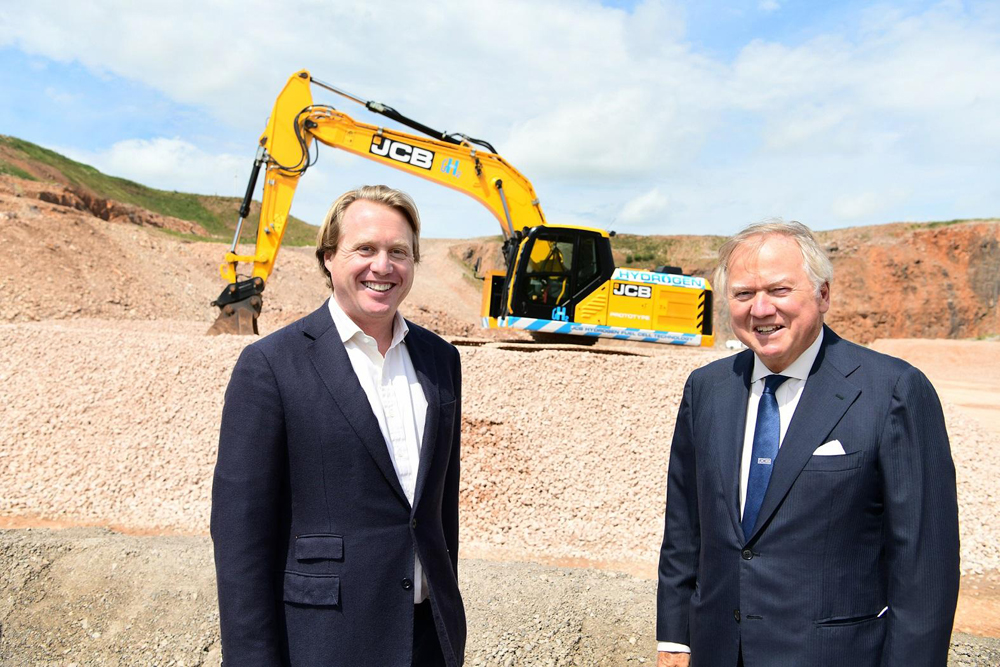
[814, 260]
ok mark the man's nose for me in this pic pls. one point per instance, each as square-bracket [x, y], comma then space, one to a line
[761, 305]
[381, 262]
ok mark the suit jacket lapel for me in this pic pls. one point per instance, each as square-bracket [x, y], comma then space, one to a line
[826, 397]
[328, 356]
[730, 417]
[427, 374]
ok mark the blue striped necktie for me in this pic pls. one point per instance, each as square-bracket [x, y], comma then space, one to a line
[766, 437]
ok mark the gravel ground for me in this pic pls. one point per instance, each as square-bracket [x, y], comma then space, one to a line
[564, 452]
[151, 601]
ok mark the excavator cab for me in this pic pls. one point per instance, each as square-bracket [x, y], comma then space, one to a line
[556, 268]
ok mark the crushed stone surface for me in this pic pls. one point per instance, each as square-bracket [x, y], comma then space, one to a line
[564, 451]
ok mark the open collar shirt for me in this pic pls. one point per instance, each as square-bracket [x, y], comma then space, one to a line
[396, 399]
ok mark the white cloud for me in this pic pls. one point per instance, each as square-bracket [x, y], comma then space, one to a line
[648, 208]
[889, 114]
[863, 205]
[170, 164]
[57, 96]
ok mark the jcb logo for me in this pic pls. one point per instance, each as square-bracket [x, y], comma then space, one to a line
[400, 152]
[640, 291]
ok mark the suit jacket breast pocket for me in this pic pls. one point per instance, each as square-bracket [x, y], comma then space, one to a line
[319, 546]
[849, 461]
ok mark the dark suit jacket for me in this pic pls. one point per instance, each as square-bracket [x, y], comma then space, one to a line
[314, 538]
[838, 537]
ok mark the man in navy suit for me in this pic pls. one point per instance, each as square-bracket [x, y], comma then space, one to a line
[335, 502]
[811, 512]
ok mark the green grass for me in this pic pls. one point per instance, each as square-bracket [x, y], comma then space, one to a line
[948, 223]
[11, 170]
[216, 214]
[644, 250]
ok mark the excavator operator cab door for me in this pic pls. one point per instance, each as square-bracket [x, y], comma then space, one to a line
[556, 268]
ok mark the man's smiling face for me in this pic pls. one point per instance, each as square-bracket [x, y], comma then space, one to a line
[773, 305]
[372, 268]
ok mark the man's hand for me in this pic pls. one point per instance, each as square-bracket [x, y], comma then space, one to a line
[668, 659]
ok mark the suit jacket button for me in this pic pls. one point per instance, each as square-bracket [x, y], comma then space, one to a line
[407, 584]
[413, 524]
[736, 615]
[747, 554]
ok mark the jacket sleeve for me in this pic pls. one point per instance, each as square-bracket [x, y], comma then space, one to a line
[249, 476]
[449, 509]
[681, 546]
[921, 534]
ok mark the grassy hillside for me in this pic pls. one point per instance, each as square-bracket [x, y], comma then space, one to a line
[217, 215]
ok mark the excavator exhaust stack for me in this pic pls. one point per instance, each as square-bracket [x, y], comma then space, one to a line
[239, 307]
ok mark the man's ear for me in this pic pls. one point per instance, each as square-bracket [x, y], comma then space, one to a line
[824, 297]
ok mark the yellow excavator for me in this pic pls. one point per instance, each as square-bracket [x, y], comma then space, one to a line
[559, 279]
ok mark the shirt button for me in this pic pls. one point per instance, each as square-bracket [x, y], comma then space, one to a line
[736, 615]
[747, 555]
[407, 585]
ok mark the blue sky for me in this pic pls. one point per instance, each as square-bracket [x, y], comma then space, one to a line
[651, 117]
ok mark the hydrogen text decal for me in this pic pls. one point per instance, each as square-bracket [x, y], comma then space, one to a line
[672, 279]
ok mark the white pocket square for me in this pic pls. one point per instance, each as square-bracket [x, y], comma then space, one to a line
[832, 448]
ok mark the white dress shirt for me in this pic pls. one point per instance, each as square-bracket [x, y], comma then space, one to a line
[398, 401]
[787, 395]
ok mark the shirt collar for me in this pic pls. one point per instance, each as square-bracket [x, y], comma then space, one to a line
[348, 328]
[798, 369]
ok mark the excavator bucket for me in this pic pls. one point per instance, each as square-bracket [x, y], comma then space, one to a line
[238, 319]
[239, 307]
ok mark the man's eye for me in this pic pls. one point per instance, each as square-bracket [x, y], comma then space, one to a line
[742, 295]
[780, 291]
[366, 250]
[400, 253]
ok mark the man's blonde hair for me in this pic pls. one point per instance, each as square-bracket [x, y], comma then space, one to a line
[328, 237]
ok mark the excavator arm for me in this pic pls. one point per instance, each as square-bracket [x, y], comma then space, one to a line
[451, 160]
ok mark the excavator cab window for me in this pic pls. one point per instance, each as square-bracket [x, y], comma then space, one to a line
[548, 278]
[556, 268]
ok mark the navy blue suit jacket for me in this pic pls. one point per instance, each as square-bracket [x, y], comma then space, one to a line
[314, 537]
[838, 538]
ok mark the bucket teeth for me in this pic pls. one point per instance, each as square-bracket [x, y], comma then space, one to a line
[238, 318]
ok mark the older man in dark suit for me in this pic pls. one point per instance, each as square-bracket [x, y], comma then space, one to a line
[811, 513]
[335, 503]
